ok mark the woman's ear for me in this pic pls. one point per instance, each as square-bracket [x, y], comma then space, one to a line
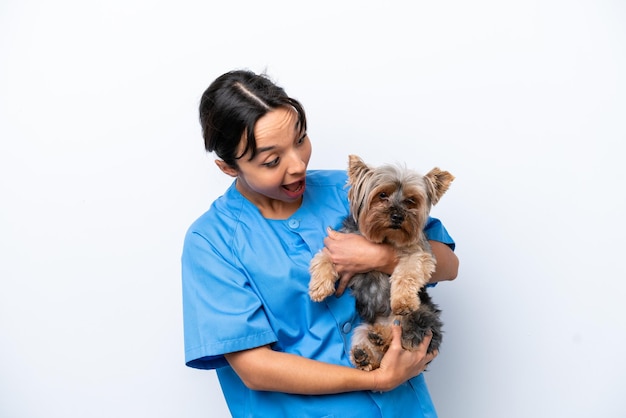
[226, 169]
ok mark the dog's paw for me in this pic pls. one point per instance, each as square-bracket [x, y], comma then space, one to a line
[411, 339]
[323, 278]
[321, 290]
[404, 304]
[362, 358]
[379, 336]
[405, 286]
[376, 339]
[424, 321]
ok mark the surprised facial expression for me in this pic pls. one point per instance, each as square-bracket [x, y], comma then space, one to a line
[275, 177]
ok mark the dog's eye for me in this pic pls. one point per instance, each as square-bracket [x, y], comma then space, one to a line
[383, 196]
[409, 202]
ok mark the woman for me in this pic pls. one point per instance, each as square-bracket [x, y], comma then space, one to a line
[245, 263]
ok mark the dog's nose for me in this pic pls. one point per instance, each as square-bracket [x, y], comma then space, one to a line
[397, 218]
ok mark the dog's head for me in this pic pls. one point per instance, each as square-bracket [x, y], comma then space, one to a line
[391, 203]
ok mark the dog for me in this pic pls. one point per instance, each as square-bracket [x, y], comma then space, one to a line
[388, 204]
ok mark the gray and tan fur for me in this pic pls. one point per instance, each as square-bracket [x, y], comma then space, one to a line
[388, 204]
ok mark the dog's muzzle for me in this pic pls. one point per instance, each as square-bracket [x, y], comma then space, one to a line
[396, 219]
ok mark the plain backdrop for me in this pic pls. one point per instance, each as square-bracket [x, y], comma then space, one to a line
[102, 169]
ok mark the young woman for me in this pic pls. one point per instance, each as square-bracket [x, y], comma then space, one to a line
[245, 264]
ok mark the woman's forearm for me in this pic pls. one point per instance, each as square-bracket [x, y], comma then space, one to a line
[352, 254]
[264, 369]
[447, 262]
[267, 370]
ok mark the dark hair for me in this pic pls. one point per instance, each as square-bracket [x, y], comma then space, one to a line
[231, 106]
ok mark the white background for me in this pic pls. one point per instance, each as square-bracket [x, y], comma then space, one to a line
[102, 169]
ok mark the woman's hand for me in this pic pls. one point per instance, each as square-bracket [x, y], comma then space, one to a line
[352, 254]
[399, 365]
[262, 368]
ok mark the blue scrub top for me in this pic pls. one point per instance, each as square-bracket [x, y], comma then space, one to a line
[245, 284]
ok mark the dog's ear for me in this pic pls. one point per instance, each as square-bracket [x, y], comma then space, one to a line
[358, 174]
[438, 182]
[356, 168]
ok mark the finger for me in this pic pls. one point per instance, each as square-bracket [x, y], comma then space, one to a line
[329, 240]
[343, 284]
[396, 333]
[426, 341]
[431, 356]
[336, 235]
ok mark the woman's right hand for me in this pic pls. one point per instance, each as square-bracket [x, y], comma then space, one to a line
[352, 253]
[399, 365]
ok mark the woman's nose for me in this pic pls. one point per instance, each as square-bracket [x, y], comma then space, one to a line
[296, 164]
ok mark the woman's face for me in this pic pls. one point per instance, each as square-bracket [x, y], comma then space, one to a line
[274, 180]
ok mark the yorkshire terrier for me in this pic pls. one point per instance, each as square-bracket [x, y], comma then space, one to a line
[388, 204]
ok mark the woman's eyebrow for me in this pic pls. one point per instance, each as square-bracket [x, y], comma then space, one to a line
[265, 149]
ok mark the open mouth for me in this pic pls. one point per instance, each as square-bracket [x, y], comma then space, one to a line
[295, 189]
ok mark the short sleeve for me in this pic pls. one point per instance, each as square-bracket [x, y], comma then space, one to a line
[221, 312]
[435, 231]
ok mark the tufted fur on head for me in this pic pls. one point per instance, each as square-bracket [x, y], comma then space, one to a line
[390, 203]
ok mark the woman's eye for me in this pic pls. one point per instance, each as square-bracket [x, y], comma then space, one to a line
[272, 163]
[301, 139]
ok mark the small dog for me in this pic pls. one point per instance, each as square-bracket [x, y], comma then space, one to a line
[388, 204]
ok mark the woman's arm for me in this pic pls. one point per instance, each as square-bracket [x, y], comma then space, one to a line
[352, 254]
[264, 369]
[447, 262]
